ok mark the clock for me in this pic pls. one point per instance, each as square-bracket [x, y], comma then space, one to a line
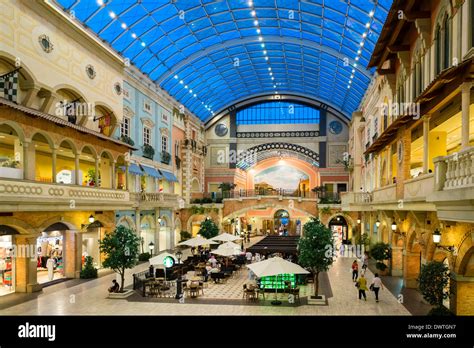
[335, 127]
[221, 130]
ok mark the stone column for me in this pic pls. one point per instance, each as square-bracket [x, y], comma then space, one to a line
[112, 172]
[78, 254]
[465, 105]
[462, 295]
[397, 261]
[158, 231]
[138, 222]
[426, 131]
[29, 161]
[77, 179]
[54, 160]
[70, 248]
[411, 269]
[97, 161]
[25, 264]
[127, 180]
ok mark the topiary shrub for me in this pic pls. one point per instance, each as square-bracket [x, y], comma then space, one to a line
[144, 257]
[434, 280]
[380, 252]
[208, 229]
[185, 235]
[88, 271]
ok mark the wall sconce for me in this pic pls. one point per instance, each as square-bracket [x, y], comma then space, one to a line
[91, 221]
[437, 240]
[159, 220]
[394, 225]
[358, 220]
[377, 223]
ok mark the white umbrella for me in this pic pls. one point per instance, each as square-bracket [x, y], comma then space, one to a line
[225, 237]
[229, 245]
[158, 259]
[225, 251]
[197, 241]
[274, 267]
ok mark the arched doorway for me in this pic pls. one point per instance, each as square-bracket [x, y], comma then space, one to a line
[164, 233]
[340, 230]
[11, 152]
[147, 232]
[7, 263]
[281, 222]
[90, 243]
[50, 261]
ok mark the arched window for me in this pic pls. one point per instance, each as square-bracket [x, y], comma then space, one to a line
[446, 43]
[438, 63]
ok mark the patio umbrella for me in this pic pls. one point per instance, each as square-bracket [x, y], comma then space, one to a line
[158, 259]
[229, 245]
[225, 237]
[197, 241]
[274, 267]
[225, 252]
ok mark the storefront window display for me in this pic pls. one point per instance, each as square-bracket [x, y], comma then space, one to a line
[7, 275]
[50, 260]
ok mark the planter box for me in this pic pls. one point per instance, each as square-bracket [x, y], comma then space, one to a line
[12, 173]
[320, 301]
[121, 295]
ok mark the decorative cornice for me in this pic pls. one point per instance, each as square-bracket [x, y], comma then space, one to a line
[278, 134]
[147, 122]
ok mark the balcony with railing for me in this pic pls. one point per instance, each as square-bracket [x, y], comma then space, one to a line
[149, 200]
[355, 200]
[33, 195]
[419, 188]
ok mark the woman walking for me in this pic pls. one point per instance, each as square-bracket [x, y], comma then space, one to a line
[376, 285]
[361, 284]
[355, 270]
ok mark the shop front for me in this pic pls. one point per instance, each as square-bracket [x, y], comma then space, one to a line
[7, 264]
[50, 256]
[90, 243]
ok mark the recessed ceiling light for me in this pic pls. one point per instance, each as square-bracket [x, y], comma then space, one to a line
[195, 95]
[260, 38]
[181, 81]
[352, 76]
[359, 52]
[134, 35]
[112, 14]
[364, 35]
[100, 2]
[255, 22]
[273, 78]
[353, 70]
[175, 76]
[186, 86]
[355, 65]
[356, 58]
[143, 44]
[253, 13]
[348, 86]
[264, 51]
[190, 91]
[274, 86]
[124, 26]
[269, 68]
[362, 44]
[262, 45]
[367, 25]
[266, 58]
[371, 13]
[271, 73]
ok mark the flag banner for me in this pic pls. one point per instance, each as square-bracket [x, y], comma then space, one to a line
[9, 85]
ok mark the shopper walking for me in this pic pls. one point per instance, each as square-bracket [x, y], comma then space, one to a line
[365, 261]
[376, 285]
[355, 270]
[361, 284]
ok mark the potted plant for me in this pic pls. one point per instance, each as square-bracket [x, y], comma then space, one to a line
[226, 187]
[148, 151]
[91, 177]
[165, 157]
[314, 253]
[208, 229]
[88, 271]
[434, 285]
[121, 249]
[127, 140]
[185, 235]
[381, 252]
[9, 168]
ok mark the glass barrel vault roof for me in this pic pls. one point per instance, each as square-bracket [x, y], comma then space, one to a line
[208, 54]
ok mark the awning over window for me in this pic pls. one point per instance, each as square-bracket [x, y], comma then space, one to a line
[151, 172]
[134, 169]
[169, 176]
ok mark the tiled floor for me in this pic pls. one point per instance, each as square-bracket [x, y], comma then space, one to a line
[77, 297]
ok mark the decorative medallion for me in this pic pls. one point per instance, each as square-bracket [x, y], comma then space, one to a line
[335, 127]
[45, 43]
[90, 70]
[221, 130]
[118, 88]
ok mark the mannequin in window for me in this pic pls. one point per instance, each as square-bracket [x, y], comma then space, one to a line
[50, 266]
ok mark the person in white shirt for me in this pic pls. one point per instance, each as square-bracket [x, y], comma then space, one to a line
[376, 285]
[248, 256]
[257, 257]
